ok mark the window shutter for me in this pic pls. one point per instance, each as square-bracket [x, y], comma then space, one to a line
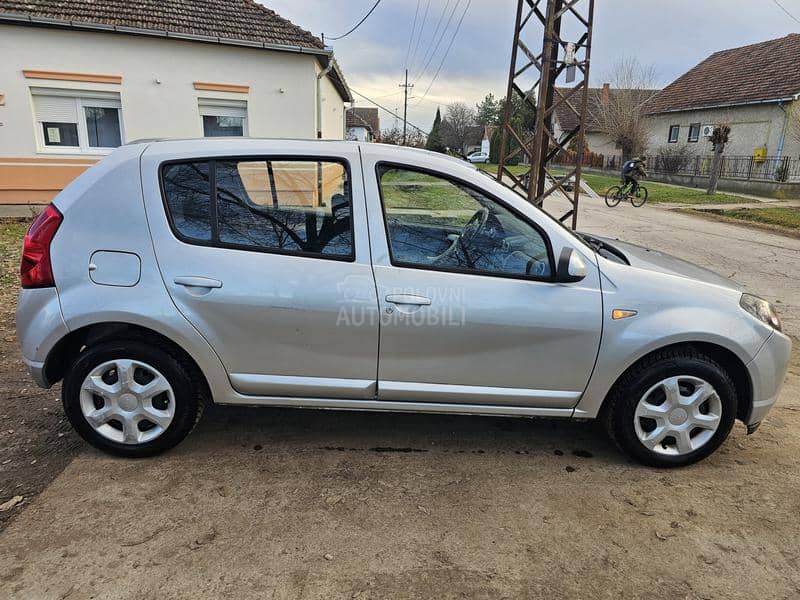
[55, 109]
[222, 108]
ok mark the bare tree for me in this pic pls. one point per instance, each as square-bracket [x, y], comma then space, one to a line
[620, 107]
[414, 137]
[719, 138]
[459, 126]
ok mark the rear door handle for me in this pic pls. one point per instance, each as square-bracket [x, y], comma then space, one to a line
[198, 282]
[408, 299]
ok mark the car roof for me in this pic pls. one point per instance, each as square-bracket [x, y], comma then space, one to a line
[170, 149]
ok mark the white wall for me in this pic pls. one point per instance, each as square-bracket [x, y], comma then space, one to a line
[360, 134]
[332, 111]
[168, 109]
[752, 126]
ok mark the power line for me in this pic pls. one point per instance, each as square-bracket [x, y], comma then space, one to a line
[357, 25]
[446, 52]
[391, 112]
[411, 39]
[441, 37]
[421, 29]
[783, 8]
[433, 37]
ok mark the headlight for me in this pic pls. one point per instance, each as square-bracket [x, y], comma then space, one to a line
[761, 310]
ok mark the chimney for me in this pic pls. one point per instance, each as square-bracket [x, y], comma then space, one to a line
[605, 92]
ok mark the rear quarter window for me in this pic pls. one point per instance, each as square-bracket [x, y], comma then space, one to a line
[187, 190]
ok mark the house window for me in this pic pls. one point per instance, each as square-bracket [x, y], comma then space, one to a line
[694, 132]
[674, 133]
[223, 117]
[86, 123]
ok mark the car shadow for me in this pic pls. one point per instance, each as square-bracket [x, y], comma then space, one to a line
[387, 432]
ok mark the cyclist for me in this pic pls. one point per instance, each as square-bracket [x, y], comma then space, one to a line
[632, 170]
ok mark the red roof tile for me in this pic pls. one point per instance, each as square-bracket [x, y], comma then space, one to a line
[756, 73]
[240, 20]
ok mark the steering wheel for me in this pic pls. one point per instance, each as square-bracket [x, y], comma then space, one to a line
[470, 231]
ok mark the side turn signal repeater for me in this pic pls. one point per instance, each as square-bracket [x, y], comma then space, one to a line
[621, 313]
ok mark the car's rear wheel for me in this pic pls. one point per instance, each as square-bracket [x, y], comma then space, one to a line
[672, 409]
[130, 398]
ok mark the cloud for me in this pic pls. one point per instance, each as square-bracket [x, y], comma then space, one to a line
[672, 35]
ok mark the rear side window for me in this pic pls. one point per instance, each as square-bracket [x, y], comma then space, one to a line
[285, 206]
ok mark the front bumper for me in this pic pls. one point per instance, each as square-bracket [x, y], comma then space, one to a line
[767, 373]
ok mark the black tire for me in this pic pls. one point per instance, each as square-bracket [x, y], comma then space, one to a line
[621, 403]
[189, 402]
[640, 197]
[613, 196]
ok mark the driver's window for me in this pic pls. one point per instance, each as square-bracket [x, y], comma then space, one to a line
[438, 223]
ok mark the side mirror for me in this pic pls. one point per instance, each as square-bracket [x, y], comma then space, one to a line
[570, 268]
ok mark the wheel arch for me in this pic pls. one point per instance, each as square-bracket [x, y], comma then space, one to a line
[67, 350]
[726, 358]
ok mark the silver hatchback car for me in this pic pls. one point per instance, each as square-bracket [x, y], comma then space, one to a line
[358, 276]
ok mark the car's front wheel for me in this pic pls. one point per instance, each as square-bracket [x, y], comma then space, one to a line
[131, 398]
[672, 409]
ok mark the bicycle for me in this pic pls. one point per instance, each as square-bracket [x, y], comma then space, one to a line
[617, 193]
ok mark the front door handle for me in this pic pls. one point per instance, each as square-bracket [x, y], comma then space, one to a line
[198, 282]
[408, 299]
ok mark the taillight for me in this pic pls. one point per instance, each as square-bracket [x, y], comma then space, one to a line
[36, 270]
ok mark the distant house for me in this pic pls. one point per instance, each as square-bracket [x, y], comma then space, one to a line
[749, 88]
[597, 140]
[78, 79]
[362, 124]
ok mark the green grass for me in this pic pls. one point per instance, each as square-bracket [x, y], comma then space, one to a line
[492, 168]
[657, 193]
[11, 235]
[407, 189]
[788, 217]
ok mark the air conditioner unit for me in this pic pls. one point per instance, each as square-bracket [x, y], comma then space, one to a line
[707, 131]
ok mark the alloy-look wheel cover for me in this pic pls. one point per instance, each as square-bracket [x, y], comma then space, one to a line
[678, 415]
[123, 410]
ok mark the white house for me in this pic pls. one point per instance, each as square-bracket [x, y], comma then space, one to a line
[752, 89]
[80, 78]
[363, 124]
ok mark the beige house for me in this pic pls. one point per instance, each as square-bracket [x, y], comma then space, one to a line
[751, 88]
[597, 141]
[78, 79]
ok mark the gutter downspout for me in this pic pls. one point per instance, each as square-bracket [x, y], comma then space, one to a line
[782, 140]
[321, 74]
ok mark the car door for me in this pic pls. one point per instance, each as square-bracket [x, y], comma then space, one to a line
[267, 256]
[470, 310]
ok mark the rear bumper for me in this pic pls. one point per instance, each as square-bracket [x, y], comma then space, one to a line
[40, 325]
[767, 372]
[36, 370]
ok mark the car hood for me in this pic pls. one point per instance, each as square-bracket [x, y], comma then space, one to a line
[653, 260]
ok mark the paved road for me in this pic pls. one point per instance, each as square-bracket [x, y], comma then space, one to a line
[319, 504]
[764, 262]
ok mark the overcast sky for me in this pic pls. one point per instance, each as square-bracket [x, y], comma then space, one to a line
[671, 35]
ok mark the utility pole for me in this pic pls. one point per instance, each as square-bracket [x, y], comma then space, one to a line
[405, 87]
[558, 55]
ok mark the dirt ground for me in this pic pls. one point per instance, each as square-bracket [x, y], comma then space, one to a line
[276, 503]
[36, 442]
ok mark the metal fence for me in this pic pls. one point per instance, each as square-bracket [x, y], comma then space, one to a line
[748, 168]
